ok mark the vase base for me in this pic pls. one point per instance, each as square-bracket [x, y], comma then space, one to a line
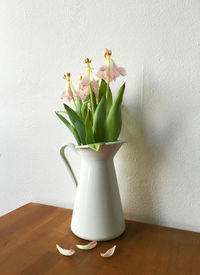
[101, 239]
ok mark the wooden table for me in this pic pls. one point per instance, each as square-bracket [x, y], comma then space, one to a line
[28, 238]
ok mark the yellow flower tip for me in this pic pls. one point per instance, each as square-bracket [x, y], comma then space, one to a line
[107, 53]
[64, 76]
[88, 61]
[68, 76]
[80, 78]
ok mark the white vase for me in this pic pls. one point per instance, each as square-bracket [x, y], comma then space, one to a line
[97, 213]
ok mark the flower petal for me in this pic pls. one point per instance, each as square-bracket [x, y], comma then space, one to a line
[121, 70]
[63, 95]
[87, 246]
[95, 87]
[102, 72]
[65, 252]
[85, 80]
[109, 252]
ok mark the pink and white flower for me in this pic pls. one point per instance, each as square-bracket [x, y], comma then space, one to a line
[110, 71]
[87, 82]
[70, 92]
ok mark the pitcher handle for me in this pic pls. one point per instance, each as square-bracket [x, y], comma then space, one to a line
[62, 154]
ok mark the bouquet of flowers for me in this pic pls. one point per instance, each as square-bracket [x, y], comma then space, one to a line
[96, 117]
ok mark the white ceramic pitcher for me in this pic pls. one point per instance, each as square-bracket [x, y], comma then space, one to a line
[97, 213]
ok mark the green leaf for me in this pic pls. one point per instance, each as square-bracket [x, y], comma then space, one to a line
[108, 100]
[87, 98]
[102, 89]
[62, 112]
[77, 122]
[84, 109]
[114, 121]
[71, 127]
[88, 127]
[79, 106]
[96, 146]
[93, 102]
[99, 121]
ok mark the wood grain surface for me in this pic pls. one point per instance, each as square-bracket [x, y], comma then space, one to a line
[28, 238]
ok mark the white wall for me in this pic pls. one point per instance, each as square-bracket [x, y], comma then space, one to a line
[159, 44]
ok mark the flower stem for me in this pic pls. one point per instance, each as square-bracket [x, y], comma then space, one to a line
[74, 104]
[108, 83]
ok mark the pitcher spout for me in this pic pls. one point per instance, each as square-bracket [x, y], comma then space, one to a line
[106, 151]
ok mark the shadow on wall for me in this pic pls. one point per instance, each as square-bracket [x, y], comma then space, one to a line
[148, 139]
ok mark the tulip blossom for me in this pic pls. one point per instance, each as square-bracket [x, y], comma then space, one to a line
[69, 93]
[87, 82]
[110, 71]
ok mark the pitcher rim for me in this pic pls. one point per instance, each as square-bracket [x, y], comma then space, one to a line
[106, 143]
